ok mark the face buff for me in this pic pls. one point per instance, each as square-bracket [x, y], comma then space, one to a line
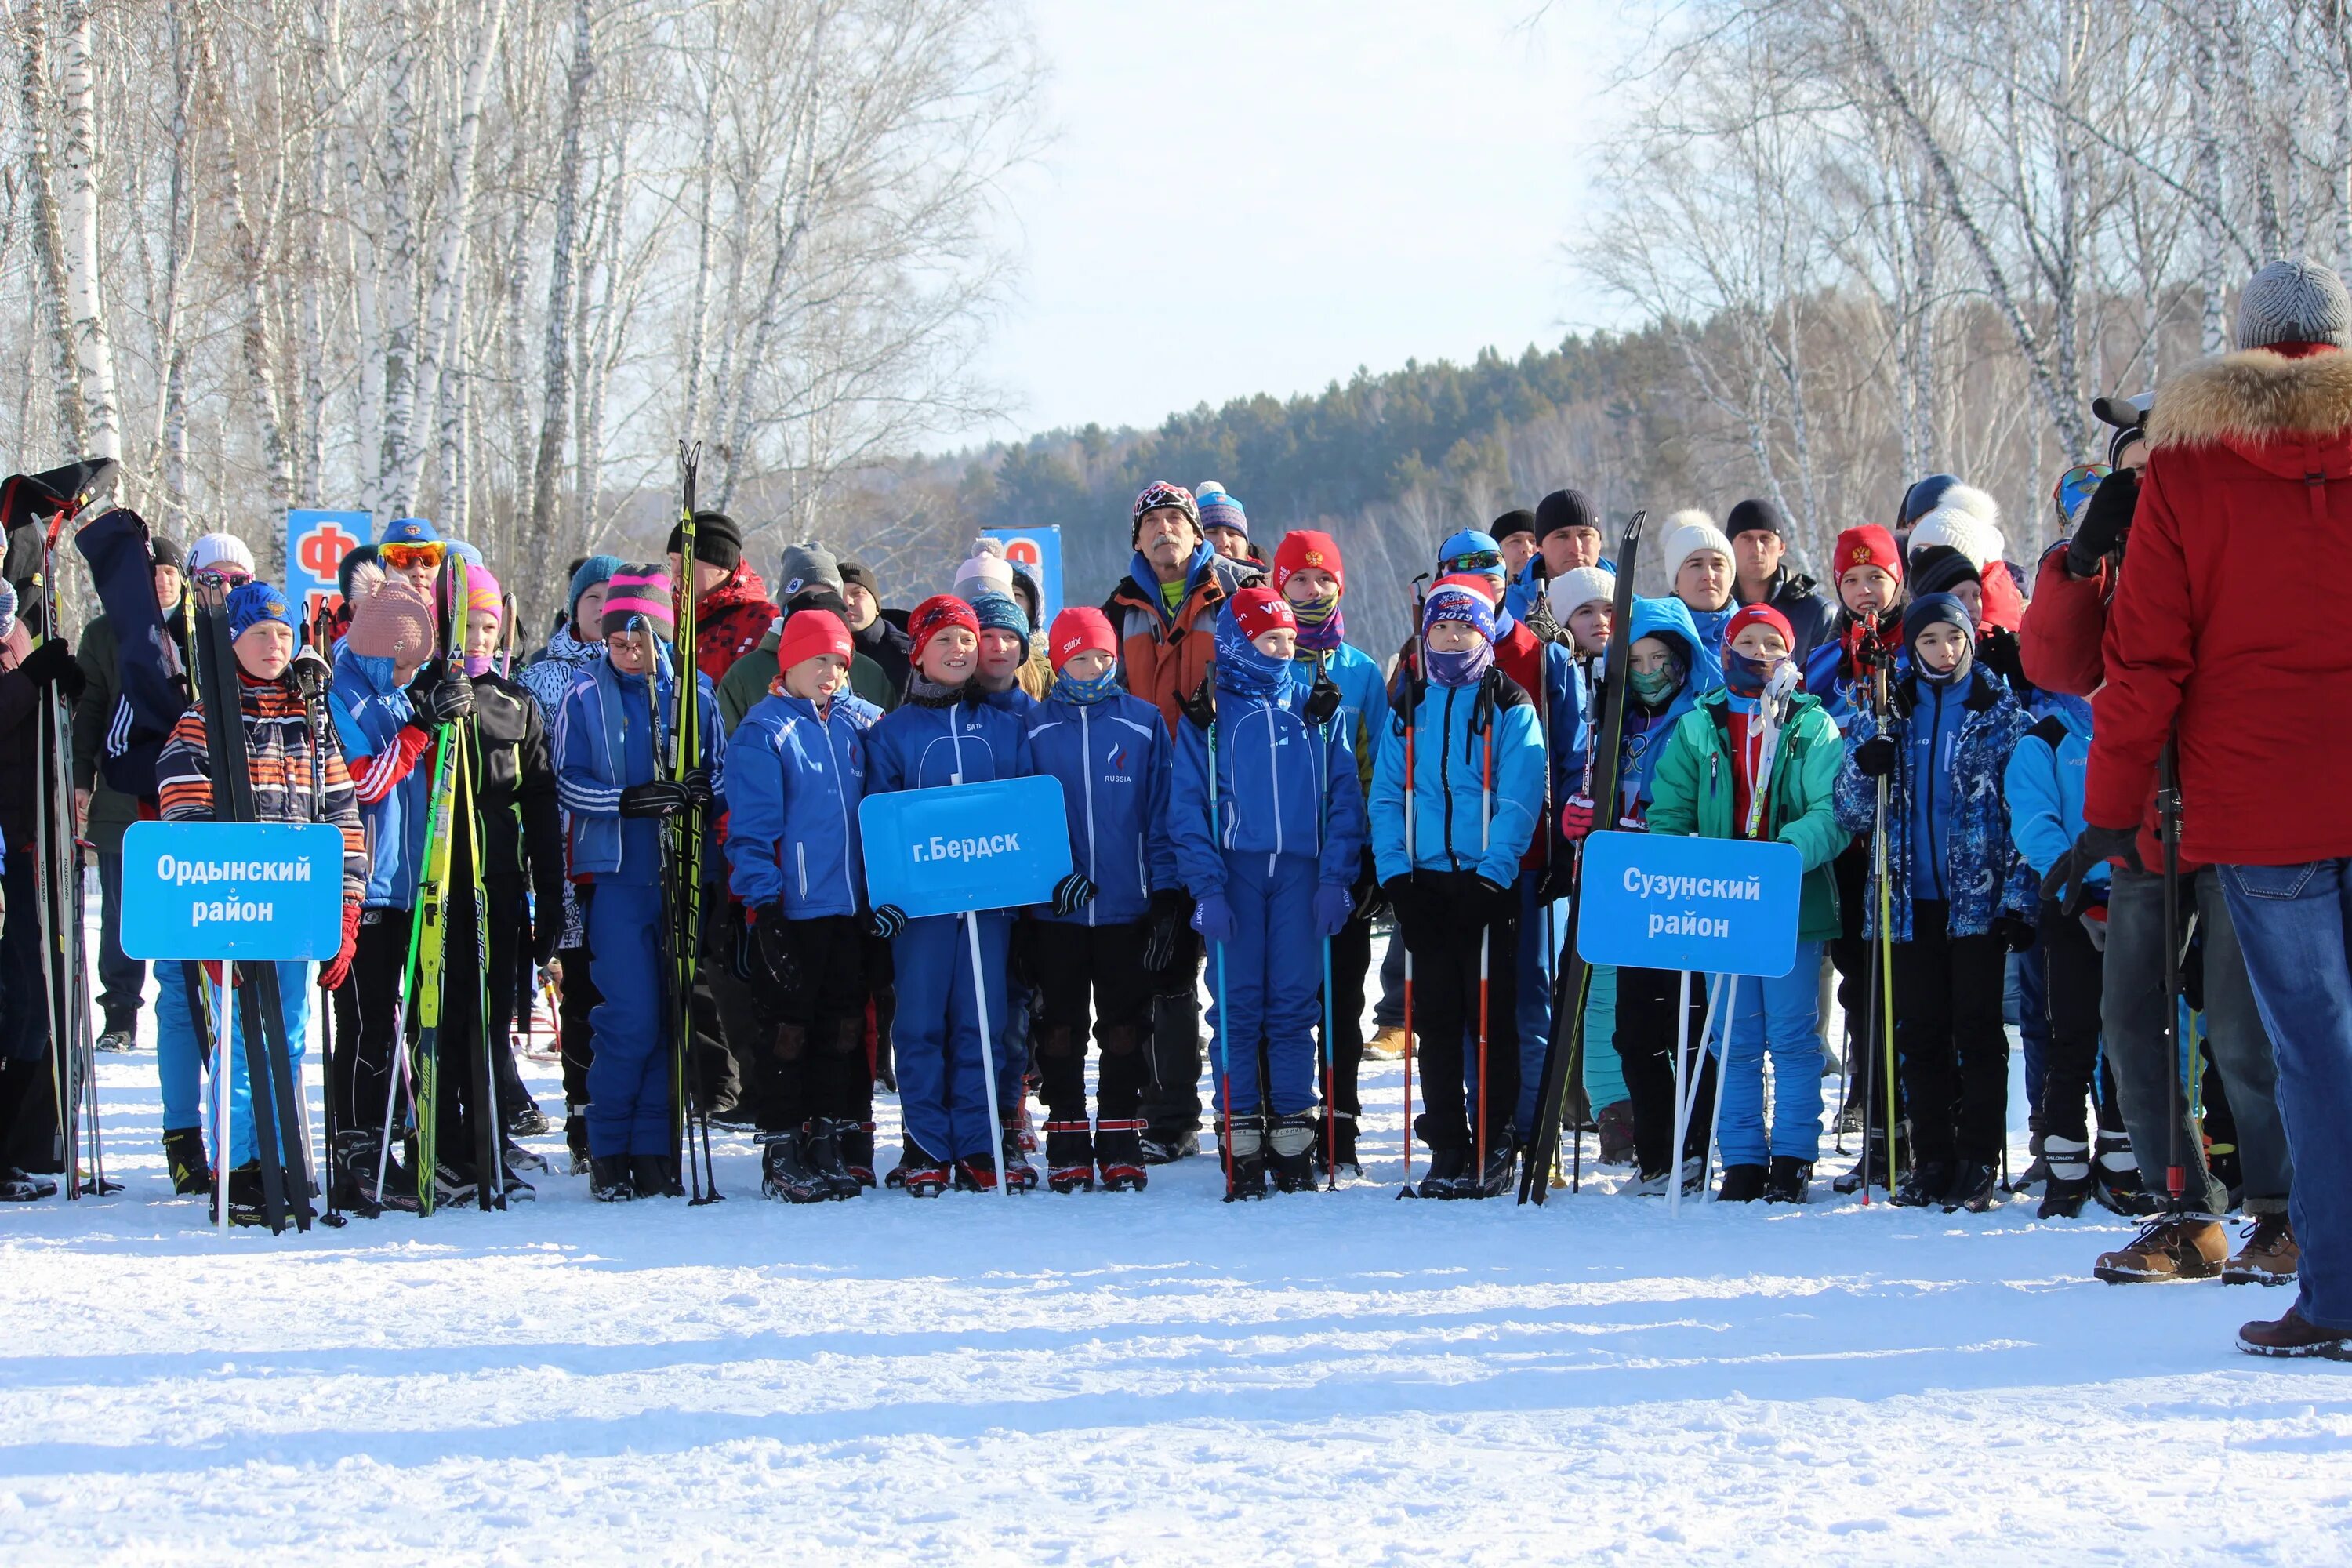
[1321, 628]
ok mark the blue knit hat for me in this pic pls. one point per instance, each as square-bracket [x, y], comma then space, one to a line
[467, 553]
[409, 531]
[1000, 612]
[1219, 510]
[1471, 551]
[1452, 602]
[251, 603]
[594, 570]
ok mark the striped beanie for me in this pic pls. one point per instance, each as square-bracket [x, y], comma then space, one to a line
[640, 595]
[1219, 510]
[2294, 302]
[1000, 612]
[1457, 601]
[934, 616]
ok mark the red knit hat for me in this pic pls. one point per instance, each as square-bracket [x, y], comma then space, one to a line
[812, 634]
[1760, 615]
[1076, 630]
[1260, 610]
[934, 616]
[1304, 548]
[1868, 545]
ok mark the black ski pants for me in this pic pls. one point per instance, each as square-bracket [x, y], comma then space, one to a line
[2069, 1067]
[809, 1056]
[364, 1048]
[1645, 1043]
[1954, 1050]
[1091, 979]
[1460, 912]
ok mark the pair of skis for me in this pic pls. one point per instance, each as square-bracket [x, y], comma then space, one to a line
[678, 756]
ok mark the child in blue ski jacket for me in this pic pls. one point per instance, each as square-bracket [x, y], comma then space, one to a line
[1267, 819]
[795, 772]
[1959, 896]
[1667, 666]
[1455, 799]
[609, 776]
[946, 732]
[1112, 755]
[1334, 676]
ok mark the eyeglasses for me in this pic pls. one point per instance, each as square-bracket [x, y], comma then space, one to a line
[1473, 561]
[406, 557]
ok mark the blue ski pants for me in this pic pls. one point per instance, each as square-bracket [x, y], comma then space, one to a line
[1268, 985]
[942, 1085]
[629, 1077]
[180, 1064]
[1779, 1015]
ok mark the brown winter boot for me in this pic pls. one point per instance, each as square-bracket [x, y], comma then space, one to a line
[2294, 1335]
[1386, 1044]
[2169, 1248]
[2267, 1255]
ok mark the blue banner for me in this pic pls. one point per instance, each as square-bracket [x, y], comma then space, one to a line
[316, 544]
[1719, 905]
[259, 891]
[1037, 552]
[986, 846]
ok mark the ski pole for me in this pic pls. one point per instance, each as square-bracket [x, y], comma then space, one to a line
[1885, 940]
[1485, 936]
[1722, 1071]
[1224, 1014]
[1410, 706]
[2167, 813]
[987, 1052]
[1331, 1081]
[1674, 1155]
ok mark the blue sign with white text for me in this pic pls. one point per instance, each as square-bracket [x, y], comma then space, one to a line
[1037, 552]
[1717, 906]
[987, 846]
[259, 891]
[316, 544]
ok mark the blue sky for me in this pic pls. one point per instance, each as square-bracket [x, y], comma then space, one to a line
[1247, 197]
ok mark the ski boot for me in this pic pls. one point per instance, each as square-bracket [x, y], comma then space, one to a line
[974, 1174]
[1021, 1128]
[515, 1157]
[351, 1173]
[576, 1142]
[611, 1179]
[452, 1183]
[246, 1203]
[784, 1175]
[1290, 1144]
[1613, 1125]
[1927, 1183]
[856, 1150]
[1449, 1167]
[122, 1033]
[19, 1187]
[1976, 1187]
[1495, 1179]
[1788, 1180]
[655, 1176]
[1119, 1156]
[184, 1157]
[517, 1191]
[1020, 1175]
[1069, 1155]
[1873, 1160]
[529, 1122]
[1335, 1148]
[2115, 1181]
[1245, 1158]
[2065, 1165]
[1655, 1186]
[821, 1152]
[1741, 1184]
[1166, 1146]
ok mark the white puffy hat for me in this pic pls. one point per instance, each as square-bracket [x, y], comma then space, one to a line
[1687, 534]
[1571, 591]
[1965, 520]
[213, 550]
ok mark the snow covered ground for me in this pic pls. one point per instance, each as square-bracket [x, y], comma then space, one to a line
[1338, 1378]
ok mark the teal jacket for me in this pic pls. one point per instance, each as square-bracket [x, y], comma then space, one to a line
[1692, 792]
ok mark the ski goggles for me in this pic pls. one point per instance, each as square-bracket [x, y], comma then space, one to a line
[2074, 486]
[1470, 560]
[223, 577]
[408, 557]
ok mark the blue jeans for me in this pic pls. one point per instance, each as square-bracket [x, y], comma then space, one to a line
[179, 1063]
[1780, 1014]
[2294, 927]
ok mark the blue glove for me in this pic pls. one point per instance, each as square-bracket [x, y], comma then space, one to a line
[1213, 918]
[1333, 906]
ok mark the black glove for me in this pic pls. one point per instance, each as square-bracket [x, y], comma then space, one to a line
[660, 798]
[1170, 911]
[1073, 893]
[2107, 522]
[697, 785]
[1202, 706]
[2069, 878]
[775, 950]
[887, 922]
[2014, 933]
[1371, 899]
[52, 664]
[547, 930]
[1875, 758]
[1496, 904]
[1323, 698]
[311, 675]
[445, 696]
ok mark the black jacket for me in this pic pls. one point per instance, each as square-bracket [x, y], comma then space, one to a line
[1809, 610]
[522, 831]
[889, 647]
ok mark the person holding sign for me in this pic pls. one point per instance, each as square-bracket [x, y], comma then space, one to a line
[609, 776]
[1758, 759]
[278, 746]
[1956, 896]
[1477, 791]
[1111, 753]
[795, 772]
[1267, 820]
[946, 732]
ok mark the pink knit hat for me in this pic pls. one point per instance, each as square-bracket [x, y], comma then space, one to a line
[639, 594]
[390, 620]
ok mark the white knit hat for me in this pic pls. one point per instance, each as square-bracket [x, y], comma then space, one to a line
[213, 550]
[1571, 591]
[1687, 534]
[986, 569]
[1965, 520]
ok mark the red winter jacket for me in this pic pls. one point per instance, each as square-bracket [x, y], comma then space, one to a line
[2227, 620]
[730, 621]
